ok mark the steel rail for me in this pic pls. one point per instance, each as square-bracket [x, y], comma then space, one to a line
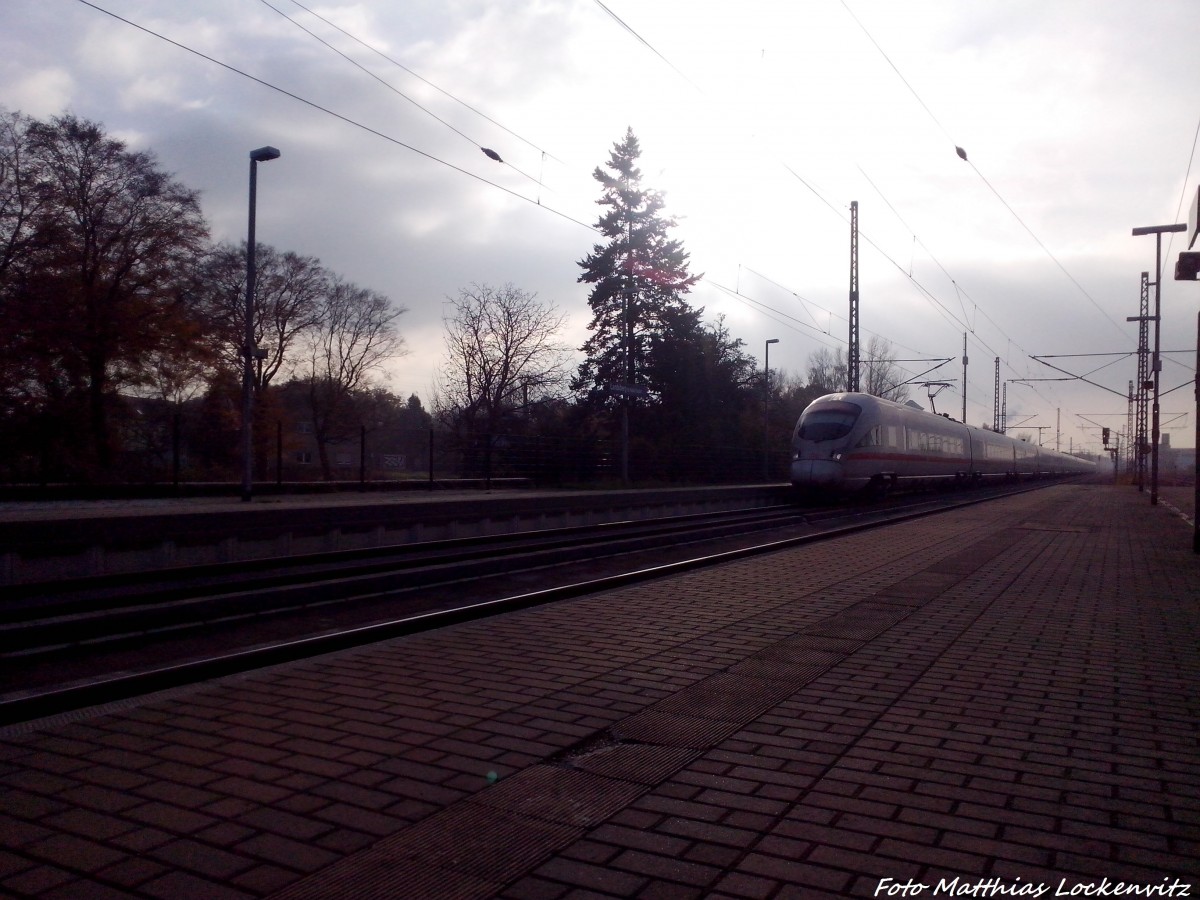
[62, 593]
[24, 705]
[138, 602]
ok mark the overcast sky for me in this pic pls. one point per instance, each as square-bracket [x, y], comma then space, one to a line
[761, 121]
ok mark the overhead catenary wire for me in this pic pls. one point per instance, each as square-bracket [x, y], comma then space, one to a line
[782, 318]
[816, 326]
[917, 241]
[1183, 192]
[965, 318]
[492, 154]
[803, 302]
[791, 322]
[840, 214]
[1049, 253]
[327, 111]
[938, 305]
[962, 154]
[545, 153]
[645, 43]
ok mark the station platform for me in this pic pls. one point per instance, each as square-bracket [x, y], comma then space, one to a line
[999, 701]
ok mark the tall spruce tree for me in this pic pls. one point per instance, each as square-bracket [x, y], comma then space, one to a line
[640, 280]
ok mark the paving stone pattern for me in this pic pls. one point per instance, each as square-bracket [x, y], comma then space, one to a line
[1006, 695]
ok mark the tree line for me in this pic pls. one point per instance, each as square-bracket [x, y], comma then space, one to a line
[123, 334]
[115, 303]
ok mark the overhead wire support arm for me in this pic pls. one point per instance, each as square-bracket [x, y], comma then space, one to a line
[1191, 382]
[940, 362]
[1073, 377]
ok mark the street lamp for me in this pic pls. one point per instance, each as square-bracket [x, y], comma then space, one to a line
[1156, 361]
[767, 406]
[250, 351]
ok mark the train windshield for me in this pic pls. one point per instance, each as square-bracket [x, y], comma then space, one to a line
[827, 421]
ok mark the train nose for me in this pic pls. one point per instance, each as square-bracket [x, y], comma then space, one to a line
[816, 472]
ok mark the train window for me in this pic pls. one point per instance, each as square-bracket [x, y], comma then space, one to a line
[828, 421]
[997, 451]
[873, 437]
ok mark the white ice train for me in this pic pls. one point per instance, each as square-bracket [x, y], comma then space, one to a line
[852, 442]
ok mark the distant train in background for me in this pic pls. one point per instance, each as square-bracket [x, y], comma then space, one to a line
[852, 442]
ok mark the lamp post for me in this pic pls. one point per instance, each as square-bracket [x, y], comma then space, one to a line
[767, 406]
[249, 349]
[1156, 361]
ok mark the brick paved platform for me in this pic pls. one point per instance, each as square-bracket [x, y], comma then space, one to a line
[1008, 696]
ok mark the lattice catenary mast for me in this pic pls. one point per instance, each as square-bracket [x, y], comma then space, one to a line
[1143, 380]
[852, 372]
[996, 399]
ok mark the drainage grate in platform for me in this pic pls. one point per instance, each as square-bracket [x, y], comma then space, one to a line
[726, 696]
[862, 621]
[465, 851]
[373, 876]
[486, 842]
[1057, 529]
[968, 560]
[806, 641]
[557, 794]
[799, 652]
[644, 764]
[794, 672]
[920, 588]
[669, 730]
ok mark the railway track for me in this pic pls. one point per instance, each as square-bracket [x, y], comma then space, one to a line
[100, 639]
[40, 619]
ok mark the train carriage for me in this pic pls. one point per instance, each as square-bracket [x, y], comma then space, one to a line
[851, 442]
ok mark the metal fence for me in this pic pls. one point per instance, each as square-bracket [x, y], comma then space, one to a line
[436, 455]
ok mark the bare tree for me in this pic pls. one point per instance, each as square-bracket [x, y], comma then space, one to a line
[827, 369]
[882, 377]
[21, 390]
[20, 200]
[288, 292]
[354, 336]
[502, 347]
